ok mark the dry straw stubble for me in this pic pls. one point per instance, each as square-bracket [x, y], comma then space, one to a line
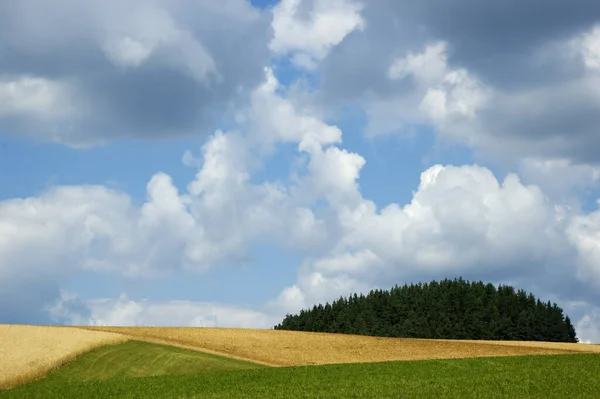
[29, 352]
[292, 348]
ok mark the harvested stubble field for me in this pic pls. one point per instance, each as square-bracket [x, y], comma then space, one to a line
[29, 352]
[291, 348]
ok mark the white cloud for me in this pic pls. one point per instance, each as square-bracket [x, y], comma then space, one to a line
[96, 228]
[448, 92]
[93, 227]
[128, 52]
[332, 175]
[357, 263]
[588, 327]
[523, 92]
[273, 118]
[69, 309]
[588, 46]
[144, 30]
[315, 287]
[222, 212]
[140, 68]
[137, 30]
[428, 67]
[290, 300]
[441, 97]
[309, 38]
[584, 233]
[559, 178]
[543, 121]
[461, 220]
[29, 95]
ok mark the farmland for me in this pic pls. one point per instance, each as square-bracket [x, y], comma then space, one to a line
[292, 348]
[558, 376]
[129, 362]
[28, 352]
[144, 359]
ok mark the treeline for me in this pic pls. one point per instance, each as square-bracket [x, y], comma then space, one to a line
[449, 309]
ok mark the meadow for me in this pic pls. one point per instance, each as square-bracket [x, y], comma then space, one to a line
[135, 363]
[553, 376]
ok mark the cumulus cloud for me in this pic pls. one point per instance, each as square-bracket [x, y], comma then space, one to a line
[495, 42]
[584, 232]
[140, 68]
[551, 122]
[308, 29]
[426, 67]
[439, 95]
[42, 98]
[448, 92]
[95, 228]
[504, 80]
[123, 311]
[313, 287]
[461, 220]
[587, 47]
[587, 327]
[273, 119]
[537, 122]
[559, 178]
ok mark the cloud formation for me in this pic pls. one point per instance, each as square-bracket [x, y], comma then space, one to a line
[508, 80]
[460, 221]
[122, 311]
[85, 74]
[308, 30]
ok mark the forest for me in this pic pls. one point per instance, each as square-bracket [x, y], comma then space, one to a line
[448, 309]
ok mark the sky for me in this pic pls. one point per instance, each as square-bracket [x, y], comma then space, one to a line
[199, 164]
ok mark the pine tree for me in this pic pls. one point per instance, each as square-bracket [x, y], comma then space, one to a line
[572, 336]
[446, 309]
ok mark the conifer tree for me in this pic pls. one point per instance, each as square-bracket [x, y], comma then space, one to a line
[451, 309]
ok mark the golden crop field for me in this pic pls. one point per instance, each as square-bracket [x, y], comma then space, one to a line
[29, 352]
[291, 348]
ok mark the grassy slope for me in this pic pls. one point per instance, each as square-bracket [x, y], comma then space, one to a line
[556, 376]
[30, 352]
[142, 359]
[298, 348]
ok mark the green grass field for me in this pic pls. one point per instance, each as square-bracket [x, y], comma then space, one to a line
[143, 359]
[142, 370]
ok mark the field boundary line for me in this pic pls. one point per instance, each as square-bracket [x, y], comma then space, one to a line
[41, 368]
[561, 346]
[178, 344]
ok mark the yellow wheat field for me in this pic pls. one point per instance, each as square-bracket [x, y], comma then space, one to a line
[291, 348]
[30, 352]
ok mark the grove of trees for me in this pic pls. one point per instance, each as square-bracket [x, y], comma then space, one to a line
[449, 309]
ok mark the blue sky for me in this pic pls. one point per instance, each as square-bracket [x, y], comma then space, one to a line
[185, 165]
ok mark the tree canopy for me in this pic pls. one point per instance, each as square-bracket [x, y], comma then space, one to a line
[448, 309]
